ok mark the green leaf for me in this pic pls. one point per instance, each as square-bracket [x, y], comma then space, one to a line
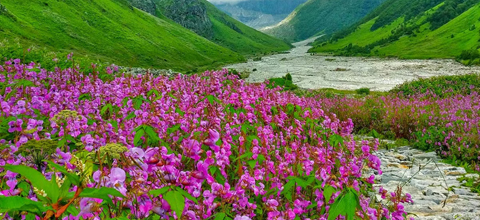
[252, 163]
[260, 158]
[176, 201]
[337, 208]
[352, 205]
[130, 116]
[138, 137]
[186, 194]
[25, 188]
[301, 182]
[101, 193]
[152, 135]
[180, 112]
[71, 176]
[220, 216]
[173, 129]
[288, 186]
[313, 205]
[85, 96]
[137, 103]
[344, 205]
[72, 210]
[211, 99]
[17, 203]
[37, 179]
[335, 139]
[114, 124]
[157, 192]
[245, 155]
[328, 192]
[105, 108]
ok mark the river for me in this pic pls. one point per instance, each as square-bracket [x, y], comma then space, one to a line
[346, 73]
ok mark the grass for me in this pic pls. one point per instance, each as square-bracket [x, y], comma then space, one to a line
[441, 86]
[439, 43]
[322, 16]
[110, 31]
[361, 37]
[240, 38]
[448, 41]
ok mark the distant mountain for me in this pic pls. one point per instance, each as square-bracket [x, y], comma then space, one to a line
[321, 17]
[208, 21]
[111, 31]
[411, 29]
[260, 13]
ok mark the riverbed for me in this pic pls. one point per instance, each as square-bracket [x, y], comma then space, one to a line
[346, 73]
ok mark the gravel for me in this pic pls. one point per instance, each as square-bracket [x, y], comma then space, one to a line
[348, 73]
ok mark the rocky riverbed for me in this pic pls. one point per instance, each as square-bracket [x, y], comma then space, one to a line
[428, 181]
[314, 72]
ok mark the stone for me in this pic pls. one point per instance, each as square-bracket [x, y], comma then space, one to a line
[428, 184]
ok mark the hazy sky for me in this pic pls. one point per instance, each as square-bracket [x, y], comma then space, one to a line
[225, 1]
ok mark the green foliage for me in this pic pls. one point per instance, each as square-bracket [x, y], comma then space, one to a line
[176, 201]
[38, 150]
[175, 196]
[345, 205]
[363, 91]
[42, 187]
[469, 57]
[108, 31]
[110, 150]
[317, 17]
[449, 10]
[428, 140]
[285, 82]
[471, 182]
[51, 193]
[220, 28]
[402, 28]
[4, 134]
[18, 204]
[442, 86]
[148, 133]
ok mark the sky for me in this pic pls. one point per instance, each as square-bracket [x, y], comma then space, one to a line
[225, 1]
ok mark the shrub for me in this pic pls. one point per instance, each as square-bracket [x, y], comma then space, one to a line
[285, 82]
[363, 91]
[441, 86]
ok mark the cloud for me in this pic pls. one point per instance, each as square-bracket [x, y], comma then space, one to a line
[226, 1]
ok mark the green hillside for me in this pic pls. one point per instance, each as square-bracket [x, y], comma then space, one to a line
[237, 36]
[424, 35]
[321, 17]
[208, 21]
[110, 31]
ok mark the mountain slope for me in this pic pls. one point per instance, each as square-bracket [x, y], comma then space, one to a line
[208, 21]
[442, 31]
[260, 13]
[109, 30]
[321, 17]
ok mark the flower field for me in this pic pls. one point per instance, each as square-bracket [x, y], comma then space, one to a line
[108, 145]
[438, 114]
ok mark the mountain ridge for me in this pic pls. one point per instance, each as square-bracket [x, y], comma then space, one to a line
[316, 17]
[208, 21]
[110, 31]
[426, 34]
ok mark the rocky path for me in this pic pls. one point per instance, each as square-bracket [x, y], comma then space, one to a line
[428, 181]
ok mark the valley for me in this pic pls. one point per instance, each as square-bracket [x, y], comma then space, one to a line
[346, 73]
[204, 109]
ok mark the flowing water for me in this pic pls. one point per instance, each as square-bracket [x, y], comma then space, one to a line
[314, 72]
